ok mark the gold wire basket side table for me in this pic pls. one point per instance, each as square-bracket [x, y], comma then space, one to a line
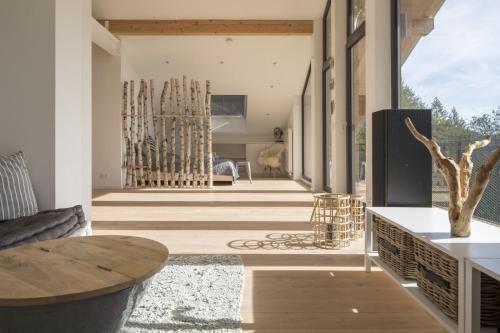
[357, 212]
[330, 220]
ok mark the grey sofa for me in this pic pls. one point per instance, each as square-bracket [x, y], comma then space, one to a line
[51, 224]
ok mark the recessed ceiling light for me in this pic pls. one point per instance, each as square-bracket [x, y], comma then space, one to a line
[167, 62]
[268, 114]
[221, 62]
[271, 86]
[229, 41]
[275, 63]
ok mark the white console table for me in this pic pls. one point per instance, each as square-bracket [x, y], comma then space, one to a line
[431, 226]
[473, 270]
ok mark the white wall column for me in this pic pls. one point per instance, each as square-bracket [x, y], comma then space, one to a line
[106, 119]
[339, 152]
[378, 72]
[317, 106]
[45, 94]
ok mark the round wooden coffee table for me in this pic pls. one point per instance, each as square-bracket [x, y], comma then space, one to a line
[80, 284]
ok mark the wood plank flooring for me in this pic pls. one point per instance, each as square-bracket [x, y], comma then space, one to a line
[290, 286]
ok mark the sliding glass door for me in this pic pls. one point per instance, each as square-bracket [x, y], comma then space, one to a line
[327, 112]
[307, 133]
[356, 99]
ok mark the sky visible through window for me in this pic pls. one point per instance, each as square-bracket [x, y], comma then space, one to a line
[459, 61]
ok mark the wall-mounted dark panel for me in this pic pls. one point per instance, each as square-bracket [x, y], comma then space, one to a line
[402, 166]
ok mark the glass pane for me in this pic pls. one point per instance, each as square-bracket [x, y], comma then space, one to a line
[328, 38]
[359, 118]
[308, 144]
[229, 105]
[328, 127]
[453, 69]
[357, 13]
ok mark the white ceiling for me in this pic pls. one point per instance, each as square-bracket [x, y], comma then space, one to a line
[208, 9]
[248, 69]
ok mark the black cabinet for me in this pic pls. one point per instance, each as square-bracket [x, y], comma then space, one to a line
[402, 166]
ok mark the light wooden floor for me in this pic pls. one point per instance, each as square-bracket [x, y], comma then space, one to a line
[290, 286]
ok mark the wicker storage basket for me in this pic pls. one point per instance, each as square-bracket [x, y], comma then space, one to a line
[395, 248]
[437, 276]
[490, 302]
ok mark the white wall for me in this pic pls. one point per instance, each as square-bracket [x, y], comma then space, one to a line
[339, 33]
[46, 104]
[316, 105]
[28, 84]
[295, 123]
[378, 69]
[73, 138]
[106, 119]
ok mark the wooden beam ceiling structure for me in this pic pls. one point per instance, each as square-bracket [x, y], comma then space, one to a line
[209, 27]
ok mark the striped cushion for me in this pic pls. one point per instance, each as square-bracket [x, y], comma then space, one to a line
[16, 193]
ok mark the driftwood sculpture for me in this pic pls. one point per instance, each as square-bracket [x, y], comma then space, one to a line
[187, 116]
[463, 197]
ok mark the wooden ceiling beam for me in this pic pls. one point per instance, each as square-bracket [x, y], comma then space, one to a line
[209, 27]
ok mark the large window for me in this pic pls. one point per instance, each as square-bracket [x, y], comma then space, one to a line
[307, 133]
[356, 99]
[450, 63]
[233, 106]
[327, 115]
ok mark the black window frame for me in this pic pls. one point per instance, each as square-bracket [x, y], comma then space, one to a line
[302, 101]
[352, 39]
[395, 58]
[325, 69]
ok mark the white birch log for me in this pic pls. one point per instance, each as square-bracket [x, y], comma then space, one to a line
[163, 117]
[187, 113]
[181, 134]
[149, 170]
[172, 132]
[201, 135]
[132, 163]
[196, 140]
[155, 136]
[126, 143]
[208, 112]
[140, 135]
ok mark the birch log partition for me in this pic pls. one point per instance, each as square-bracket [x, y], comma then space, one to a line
[149, 173]
[180, 111]
[140, 163]
[201, 128]
[163, 110]
[172, 133]
[185, 118]
[208, 112]
[155, 135]
[131, 161]
[126, 141]
[187, 112]
[194, 123]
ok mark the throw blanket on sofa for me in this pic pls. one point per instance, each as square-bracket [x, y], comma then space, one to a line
[45, 225]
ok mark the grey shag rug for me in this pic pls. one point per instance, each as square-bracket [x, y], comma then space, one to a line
[192, 294]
